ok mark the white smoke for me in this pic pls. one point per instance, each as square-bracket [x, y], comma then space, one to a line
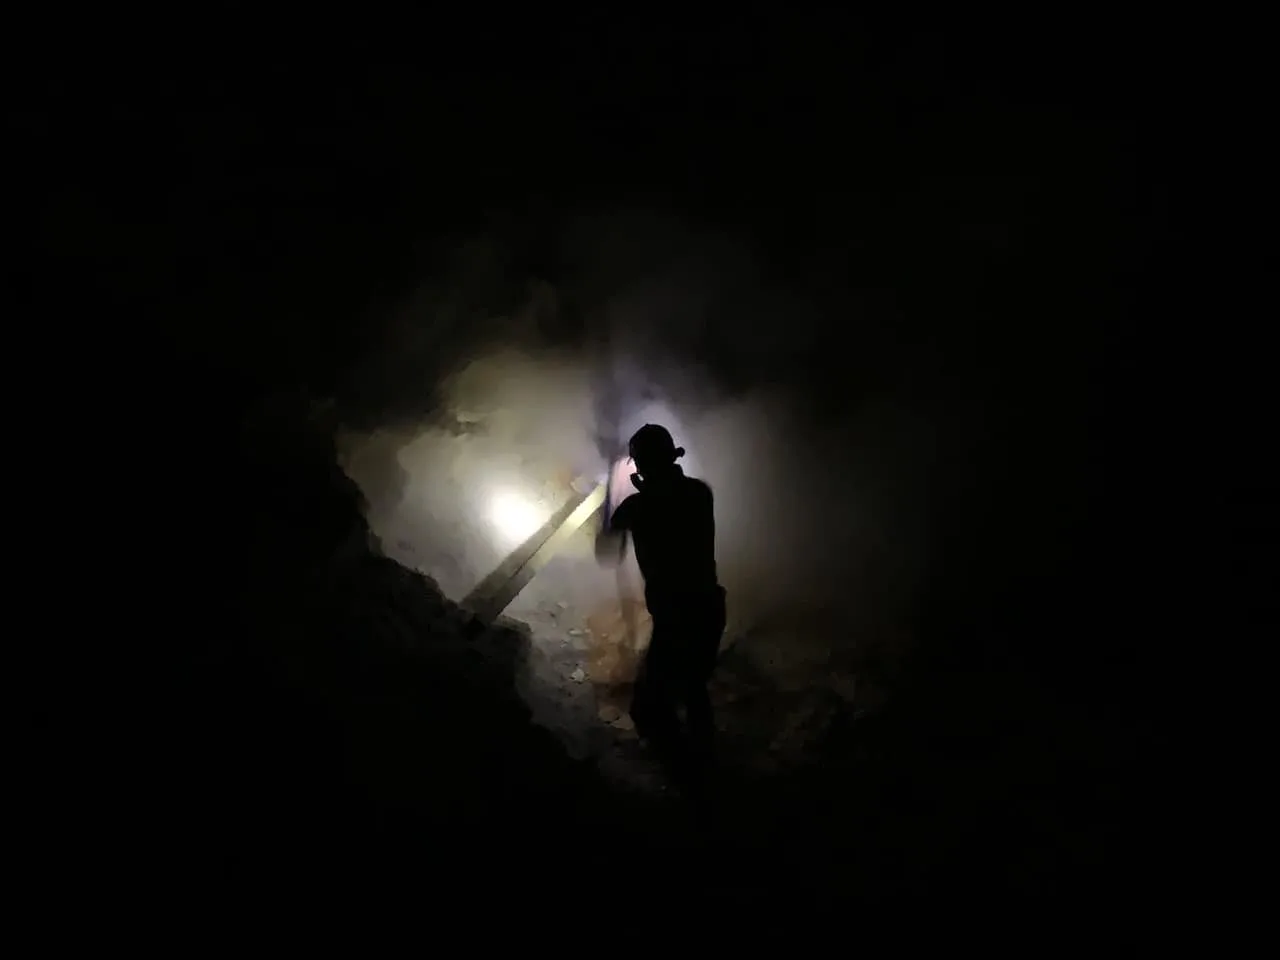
[820, 503]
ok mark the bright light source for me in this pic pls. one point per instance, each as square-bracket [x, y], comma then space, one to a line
[516, 518]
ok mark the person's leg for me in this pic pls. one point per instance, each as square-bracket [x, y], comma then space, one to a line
[704, 647]
[653, 701]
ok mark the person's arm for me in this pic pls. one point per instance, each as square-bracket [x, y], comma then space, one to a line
[618, 519]
[618, 492]
[615, 520]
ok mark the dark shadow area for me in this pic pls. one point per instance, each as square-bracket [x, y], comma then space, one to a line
[340, 703]
[309, 709]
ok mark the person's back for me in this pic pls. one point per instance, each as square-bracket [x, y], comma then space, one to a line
[671, 520]
[672, 525]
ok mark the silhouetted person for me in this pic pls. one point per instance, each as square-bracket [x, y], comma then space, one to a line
[671, 521]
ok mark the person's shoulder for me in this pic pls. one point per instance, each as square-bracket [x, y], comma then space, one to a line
[697, 489]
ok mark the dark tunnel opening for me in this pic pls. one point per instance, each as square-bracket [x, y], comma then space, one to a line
[877, 295]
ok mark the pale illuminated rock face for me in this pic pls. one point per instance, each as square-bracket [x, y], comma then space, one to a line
[451, 496]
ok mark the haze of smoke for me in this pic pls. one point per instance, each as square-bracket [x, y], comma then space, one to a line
[817, 502]
[817, 507]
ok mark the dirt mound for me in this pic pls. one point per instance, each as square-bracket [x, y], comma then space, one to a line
[333, 704]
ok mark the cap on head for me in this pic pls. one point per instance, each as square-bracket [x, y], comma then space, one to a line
[651, 446]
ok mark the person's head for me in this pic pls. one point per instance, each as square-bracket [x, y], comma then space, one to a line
[653, 451]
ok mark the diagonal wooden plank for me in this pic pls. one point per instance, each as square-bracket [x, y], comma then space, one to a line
[495, 592]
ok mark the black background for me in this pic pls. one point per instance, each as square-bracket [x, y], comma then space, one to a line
[230, 204]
